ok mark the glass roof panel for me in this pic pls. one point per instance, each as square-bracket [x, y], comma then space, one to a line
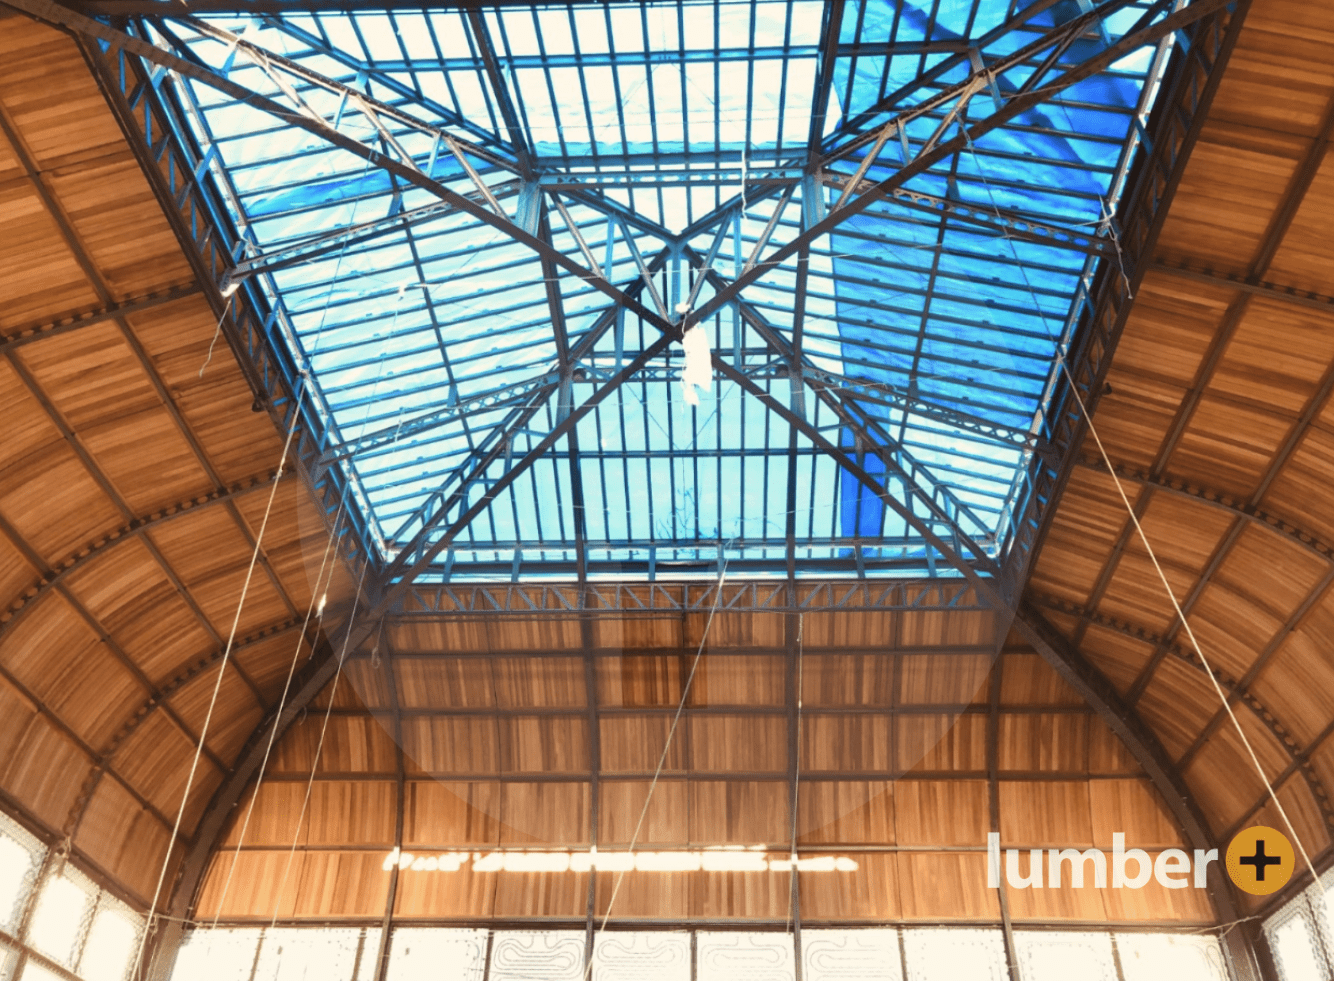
[632, 140]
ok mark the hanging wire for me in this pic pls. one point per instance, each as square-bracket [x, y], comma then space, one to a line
[1063, 367]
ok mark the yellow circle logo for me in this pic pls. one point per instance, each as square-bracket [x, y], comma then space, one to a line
[1260, 860]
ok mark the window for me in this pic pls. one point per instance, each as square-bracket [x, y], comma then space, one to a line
[866, 954]
[63, 927]
[1299, 934]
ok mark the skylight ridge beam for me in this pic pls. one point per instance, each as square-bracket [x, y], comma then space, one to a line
[482, 38]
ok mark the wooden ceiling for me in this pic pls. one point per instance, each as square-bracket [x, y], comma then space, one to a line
[136, 477]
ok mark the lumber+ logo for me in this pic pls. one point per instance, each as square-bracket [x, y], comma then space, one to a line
[1259, 860]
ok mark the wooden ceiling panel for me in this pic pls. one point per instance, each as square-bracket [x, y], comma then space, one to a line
[453, 745]
[544, 813]
[836, 812]
[1048, 813]
[734, 630]
[1178, 702]
[634, 743]
[114, 216]
[1301, 493]
[521, 634]
[60, 659]
[944, 679]
[236, 711]
[641, 680]
[1107, 753]
[295, 542]
[441, 814]
[847, 679]
[743, 743]
[17, 577]
[1303, 259]
[266, 661]
[1164, 339]
[1134, 808]
[124, 838]
[352, 744]
[45, 771]
[1299, 676]
[132, 598]
[621, 805]
[941, 742]
[1066, 903]
[1223, 777]
[1223, 209]
[1275, 359]
[437, 636]
[1231, 630]
[870, 893]
[946, 628]
[216, 404]
[866, 629]
[639, 633]
[729, 679]
[648, 895]
[91, 376]
[548, 682]
[1280, 76]
[750, 812]
[444, 683]
[1228, 446]
[39, 265]
[953, 881]
[216, 575]
[339, 813]
[1028, 681]
[853, 743]
[1120, 657]
[458, 895]
[1299, 804]
[942, 812]
[540, 744]
[1157, 904]
[541, 893]
[1033, 742]
[361, 685]
[1083, 532]
[46, 493]
[156, 761]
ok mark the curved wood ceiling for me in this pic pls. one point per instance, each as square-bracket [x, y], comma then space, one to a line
[132, 488]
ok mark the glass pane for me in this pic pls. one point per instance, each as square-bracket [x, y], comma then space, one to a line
[216, 955]
[522, 955]
[955, 955]
[18, 869]
[425, 954]
[1181, 957]
[59, 917]
[307, 954]
[641, 957]
[1295, 952]
[110, 946]
[32, 971]
[9, 957]
[748, 956]
[866, 955]
[1057, 955]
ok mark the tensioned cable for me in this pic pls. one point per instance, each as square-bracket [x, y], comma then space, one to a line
[666, 747]
[1153, 557]
[319, 746]
[317, 596]
[217, 685]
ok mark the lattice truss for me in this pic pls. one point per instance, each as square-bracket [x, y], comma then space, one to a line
[485, 232]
